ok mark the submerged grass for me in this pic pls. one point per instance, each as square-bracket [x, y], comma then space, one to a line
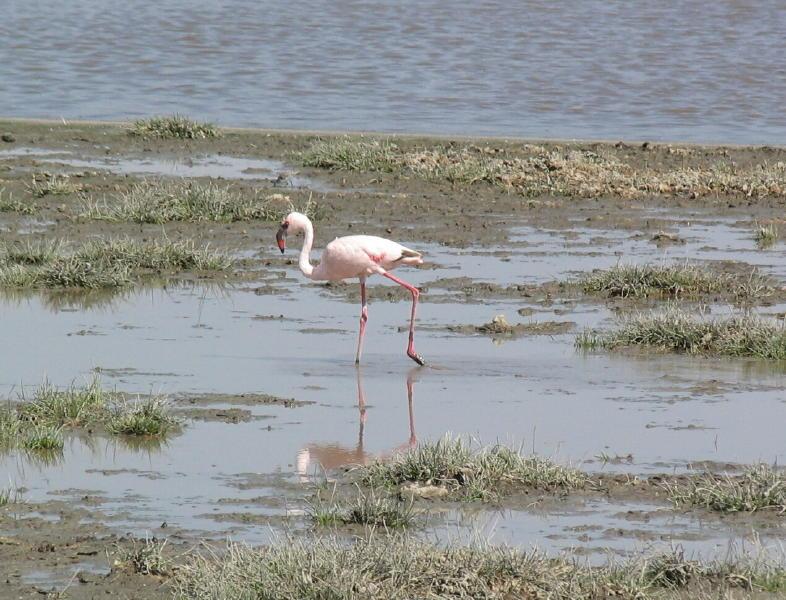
[766, 235]
[174, 126]
[675, 330]
[560, 172]
[760, 487]
[100, 264]
[629, 280]
[191, 201]
[399, 567]
[477, 473]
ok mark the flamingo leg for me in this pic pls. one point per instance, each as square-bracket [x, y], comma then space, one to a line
[363, 319]
[413, 440]
[415, 294]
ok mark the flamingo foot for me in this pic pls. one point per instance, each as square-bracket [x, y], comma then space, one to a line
[416, 357]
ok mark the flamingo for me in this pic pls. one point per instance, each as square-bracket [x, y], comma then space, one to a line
[355, 256]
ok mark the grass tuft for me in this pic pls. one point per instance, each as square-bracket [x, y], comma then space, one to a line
[190, 201]
[42, 438]
[766, 235]
[72, 407]
[476, 473]
[365, 509]
[9, 204]
[345, 154]
[401, 567]
[101, 264]
[147, 559]
[53, 185]
[148, 417]
[672, 279]
[760, 487]
[675, 330]
[174, 126]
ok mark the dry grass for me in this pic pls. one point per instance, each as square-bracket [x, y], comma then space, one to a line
[678, 280]
[10, 204]
[145, 559]
[476, 473]
[558, 172]
[675, 330]
[401, 567]
[175, 127]
[760, 487]
[100, 264]
[191, 201]
[53, 185]
[766, 234]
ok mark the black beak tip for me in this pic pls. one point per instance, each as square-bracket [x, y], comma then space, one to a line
[282, 251]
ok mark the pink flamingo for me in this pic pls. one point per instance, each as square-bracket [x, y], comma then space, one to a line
[355, 256]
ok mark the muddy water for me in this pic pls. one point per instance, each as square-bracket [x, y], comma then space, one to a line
[220, 478]
[593, 69]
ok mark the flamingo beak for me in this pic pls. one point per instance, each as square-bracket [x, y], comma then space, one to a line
[281, 238]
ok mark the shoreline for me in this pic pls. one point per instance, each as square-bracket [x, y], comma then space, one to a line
[409, 136]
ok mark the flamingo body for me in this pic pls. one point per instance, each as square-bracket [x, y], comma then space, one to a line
[355, 256]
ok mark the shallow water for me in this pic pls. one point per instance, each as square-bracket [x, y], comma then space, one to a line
[667, 411]
[587, 69]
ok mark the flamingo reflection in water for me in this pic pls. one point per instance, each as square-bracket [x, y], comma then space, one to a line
[332, 456]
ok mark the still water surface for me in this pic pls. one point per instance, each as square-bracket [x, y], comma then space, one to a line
[694, 71]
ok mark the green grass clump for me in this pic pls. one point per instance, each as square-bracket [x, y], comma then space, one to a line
[42, 438]
[766, 235]
[148, 417]
[476, 473]
[73, 407]
[100, 264]
[345, 154]
[760, 487]
[9, 204]
[671, 279]
[400, 567]
[191, 201]
[174, 126]
[365, 509]
[675, 330]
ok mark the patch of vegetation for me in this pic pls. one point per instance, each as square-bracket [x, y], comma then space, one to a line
[399, 567]
[760, 487]
[174, 126]
[365, 509]
[37, 424]
[766, 235]
[191, 201]
[147, 559]
[10, 204]
[477, 473]
[9, 496]
[345, 154]
[675, 330]
[148, 417]
[53, 185]
[100, 264]
[561, 172]
[672, 279]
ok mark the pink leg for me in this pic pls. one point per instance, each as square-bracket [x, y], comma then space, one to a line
[415, 293]
[363, 318]
[362, 409]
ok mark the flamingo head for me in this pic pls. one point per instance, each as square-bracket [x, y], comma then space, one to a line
[294, 222]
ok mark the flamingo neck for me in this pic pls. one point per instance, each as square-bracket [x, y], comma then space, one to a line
[304, 262]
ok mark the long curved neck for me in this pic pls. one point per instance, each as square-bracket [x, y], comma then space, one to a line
[304, 262]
